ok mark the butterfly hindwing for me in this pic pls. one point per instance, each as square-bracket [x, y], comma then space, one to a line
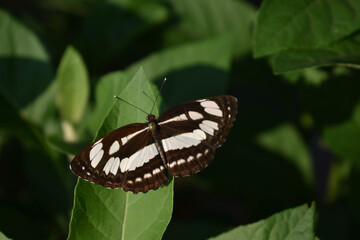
[191, 132]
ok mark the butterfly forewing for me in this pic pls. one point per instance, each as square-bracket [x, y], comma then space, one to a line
[192, 131]
[125, 158]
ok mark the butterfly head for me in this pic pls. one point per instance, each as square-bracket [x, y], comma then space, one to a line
[151, 122]
[150, 118]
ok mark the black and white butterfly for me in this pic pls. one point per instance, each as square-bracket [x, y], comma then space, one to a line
[138, 157]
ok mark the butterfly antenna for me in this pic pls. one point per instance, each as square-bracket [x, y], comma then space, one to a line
[158, 95]
[148, 96]
[131, 104]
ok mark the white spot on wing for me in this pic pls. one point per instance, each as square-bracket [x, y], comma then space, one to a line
[147, 175]
[190, 158]
[182, 117]
[97, 158]
[127, 138]
[200, 133]
[114, 147]
[138, 179]
[207, 129]
[198, 155]
[213, 111]
[115, 166]
[98, 141]
[181, 161]
[139, 158]
[95, 150]
[195, 115]
[136, 133]
[172, 164]
[209, 104]
[183, 140]
[108, 165]
[156, 171]
[211, 124]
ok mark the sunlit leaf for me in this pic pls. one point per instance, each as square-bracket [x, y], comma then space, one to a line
[72, 86]
[296, 224]
[3, 237]
[114, 214]
[283, 24]
[345, 52]
[25, 71]
[109, 85]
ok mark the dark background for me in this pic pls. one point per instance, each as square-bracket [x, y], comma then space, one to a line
[248, 180]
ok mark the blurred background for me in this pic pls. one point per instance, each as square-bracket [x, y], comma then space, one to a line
[296, 138]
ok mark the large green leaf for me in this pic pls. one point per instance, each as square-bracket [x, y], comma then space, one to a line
[286, 141]
[24, 65]
[3, 237]
[283, 24]
[346, 52]
[72, 86]
[25, 71]
[295, 224]
[99, 212]
[109, 85]
[191, 68]
[200, 19]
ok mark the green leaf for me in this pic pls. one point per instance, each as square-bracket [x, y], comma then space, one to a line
[286, 141]
[345, 52]
[344, 140]
[283, 24]
[62, 146]
[24, 65]
[202, 19]
[43, 107]
[13, 123]
[191, 68]
[114, 24]
[72, 86]
[99, 212]
[109, 85]
[295, 223]
[3, 237]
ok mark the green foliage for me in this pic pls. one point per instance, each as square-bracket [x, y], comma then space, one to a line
[3, 237]
[209, 18]
[191, 64]
[296, 138]
[72, 86]
[154, 208]
[286, 141]
[296, 224]
[308, 33]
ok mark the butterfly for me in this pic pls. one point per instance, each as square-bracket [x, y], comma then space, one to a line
[139, 157]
